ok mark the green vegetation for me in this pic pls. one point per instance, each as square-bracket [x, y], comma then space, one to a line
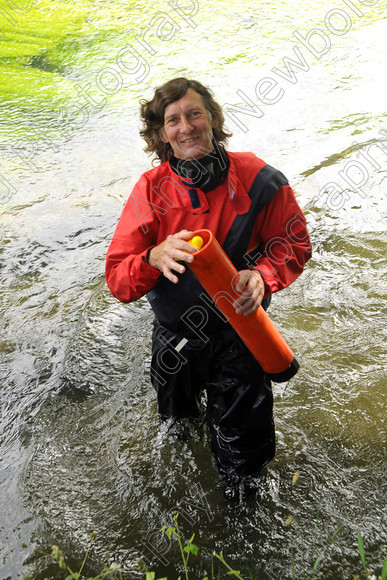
[317, 560]
[113, 571]
[366, 573]
[191, 548]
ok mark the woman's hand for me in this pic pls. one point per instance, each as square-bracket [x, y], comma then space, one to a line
[251, 287]
[175, 247]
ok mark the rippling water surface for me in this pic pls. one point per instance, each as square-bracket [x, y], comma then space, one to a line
[82, 448]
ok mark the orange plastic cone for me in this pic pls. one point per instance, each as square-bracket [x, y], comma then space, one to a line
[218, 276]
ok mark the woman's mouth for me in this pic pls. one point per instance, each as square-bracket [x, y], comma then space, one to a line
[188, 141]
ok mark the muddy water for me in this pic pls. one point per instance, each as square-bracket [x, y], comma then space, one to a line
[82, 448]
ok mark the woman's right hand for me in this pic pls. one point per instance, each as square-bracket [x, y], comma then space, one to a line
[175, 247]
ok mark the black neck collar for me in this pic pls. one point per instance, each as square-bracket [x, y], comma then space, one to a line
[205, 173]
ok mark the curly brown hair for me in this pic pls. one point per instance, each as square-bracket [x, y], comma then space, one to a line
[152, 114]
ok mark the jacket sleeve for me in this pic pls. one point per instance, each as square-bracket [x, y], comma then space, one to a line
[283, 241]
[128, 274]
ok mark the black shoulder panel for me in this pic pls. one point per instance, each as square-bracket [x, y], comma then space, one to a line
[264, 187]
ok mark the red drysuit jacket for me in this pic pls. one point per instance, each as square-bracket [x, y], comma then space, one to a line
[253, 214]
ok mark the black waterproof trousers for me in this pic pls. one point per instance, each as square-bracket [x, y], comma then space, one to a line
[239, 396]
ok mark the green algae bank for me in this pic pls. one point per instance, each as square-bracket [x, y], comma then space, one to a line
[81, 446]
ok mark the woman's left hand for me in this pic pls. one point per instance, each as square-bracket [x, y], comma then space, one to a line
[251, 288]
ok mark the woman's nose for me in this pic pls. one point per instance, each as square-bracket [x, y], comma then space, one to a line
[185, 124]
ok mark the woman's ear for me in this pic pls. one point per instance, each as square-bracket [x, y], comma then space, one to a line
[163, 135]
[214, 122]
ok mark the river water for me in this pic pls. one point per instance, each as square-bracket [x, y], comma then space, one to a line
[81, 446]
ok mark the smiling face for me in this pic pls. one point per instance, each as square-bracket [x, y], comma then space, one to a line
[188, 127]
